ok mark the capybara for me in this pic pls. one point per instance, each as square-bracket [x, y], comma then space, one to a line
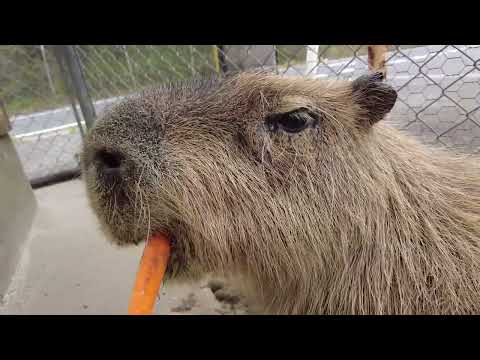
[295, 189]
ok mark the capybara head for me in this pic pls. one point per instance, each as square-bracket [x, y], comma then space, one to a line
[224, 165]
[296, 185]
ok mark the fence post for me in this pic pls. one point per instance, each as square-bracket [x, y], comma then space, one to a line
[129, 65]
[68, 88]
[376, 58]
[311, 60]
[47, 70]
[243, 57]
[219, 59]
[79, 85]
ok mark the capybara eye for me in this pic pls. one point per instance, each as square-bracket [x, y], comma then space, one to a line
[291, 122]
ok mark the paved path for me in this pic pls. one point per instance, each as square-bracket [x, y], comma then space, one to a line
[68, 267]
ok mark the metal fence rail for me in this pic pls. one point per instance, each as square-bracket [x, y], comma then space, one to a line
[51, 92]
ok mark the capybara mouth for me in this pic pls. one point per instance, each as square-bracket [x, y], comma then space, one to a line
[184, 263]
[177, 264]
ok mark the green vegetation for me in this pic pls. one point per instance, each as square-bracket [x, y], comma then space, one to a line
[24, 85]
[292, 54]
[110, 70]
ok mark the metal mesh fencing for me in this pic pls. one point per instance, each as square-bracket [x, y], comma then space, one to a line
[117, 70]
[43, 126]
[438, 86]
[439, 94]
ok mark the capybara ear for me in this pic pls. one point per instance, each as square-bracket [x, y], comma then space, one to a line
[374, 96]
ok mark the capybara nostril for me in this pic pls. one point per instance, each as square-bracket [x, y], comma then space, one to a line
[109, 162]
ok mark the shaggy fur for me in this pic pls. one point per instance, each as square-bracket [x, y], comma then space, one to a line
[347, 216]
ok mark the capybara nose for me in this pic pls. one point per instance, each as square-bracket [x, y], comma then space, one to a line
[109, 163]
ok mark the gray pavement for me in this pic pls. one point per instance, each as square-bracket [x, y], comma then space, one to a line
[439, 99]
[68, 267]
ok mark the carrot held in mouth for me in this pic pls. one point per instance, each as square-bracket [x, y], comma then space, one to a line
[150, 275]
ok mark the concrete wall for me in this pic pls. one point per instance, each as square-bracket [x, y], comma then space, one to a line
[17, 206]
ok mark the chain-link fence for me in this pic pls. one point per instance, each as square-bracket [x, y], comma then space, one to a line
[48, 95]
[33, 90]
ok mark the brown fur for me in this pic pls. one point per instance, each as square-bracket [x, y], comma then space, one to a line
[345, 218]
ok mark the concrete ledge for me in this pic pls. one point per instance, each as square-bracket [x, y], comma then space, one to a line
[17, 209]
[56, 178]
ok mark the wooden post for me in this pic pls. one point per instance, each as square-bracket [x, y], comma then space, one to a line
[376, 58]
[4, 121]
[216, 60]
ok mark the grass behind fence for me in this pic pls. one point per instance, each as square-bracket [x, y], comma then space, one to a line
[114, 70]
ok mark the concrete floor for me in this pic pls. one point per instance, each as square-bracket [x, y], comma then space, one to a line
[67, 266]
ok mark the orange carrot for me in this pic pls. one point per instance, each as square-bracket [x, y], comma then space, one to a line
[149, 276]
